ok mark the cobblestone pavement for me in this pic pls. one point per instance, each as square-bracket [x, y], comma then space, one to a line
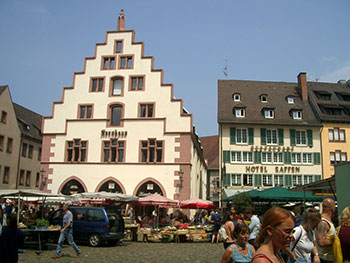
[131, 252]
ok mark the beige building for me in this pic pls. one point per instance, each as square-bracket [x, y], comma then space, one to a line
[20, 144]
[268, 135]
[120, 129]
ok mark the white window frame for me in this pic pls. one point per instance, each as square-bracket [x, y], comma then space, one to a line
[308, 179]
[236, 97]
[307, 158]
[267, 180]
[269, 114]
[240, 113]
[299, 136]
[236, 179]
[297, 179]
[247, 157]
[297, 115]
[271, 134]
[290, 100]
[278, 158]
[249, 179]
[238, 130]
[296, 158]
[266, 157]
[263, 98]
[236, 157]
[278, 180]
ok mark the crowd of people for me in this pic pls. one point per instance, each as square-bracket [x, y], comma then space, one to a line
[282, 236]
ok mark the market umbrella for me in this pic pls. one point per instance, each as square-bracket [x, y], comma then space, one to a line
[106, 195]
[157, 199]
[197, 204]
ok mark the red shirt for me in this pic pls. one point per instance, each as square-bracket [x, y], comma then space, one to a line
[344, 236]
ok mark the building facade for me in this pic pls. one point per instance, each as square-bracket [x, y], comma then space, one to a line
[331, 105]
[268, 135]
[20, 144]
[120, 129]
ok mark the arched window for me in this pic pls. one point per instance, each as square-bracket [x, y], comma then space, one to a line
[148, 188]
[72, 187]
[111, 186]
[116, 115]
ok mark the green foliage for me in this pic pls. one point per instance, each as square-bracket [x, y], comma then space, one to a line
[42, 223]
[242, 201]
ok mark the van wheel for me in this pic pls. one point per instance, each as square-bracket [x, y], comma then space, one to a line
[94, 240]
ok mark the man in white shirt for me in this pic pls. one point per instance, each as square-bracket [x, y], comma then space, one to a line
[254, 225]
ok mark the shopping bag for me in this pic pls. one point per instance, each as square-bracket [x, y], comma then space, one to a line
[337, 253]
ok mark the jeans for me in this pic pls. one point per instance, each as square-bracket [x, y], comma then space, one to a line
[67, 234]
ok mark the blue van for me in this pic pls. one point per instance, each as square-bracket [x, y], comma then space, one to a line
[92, 224]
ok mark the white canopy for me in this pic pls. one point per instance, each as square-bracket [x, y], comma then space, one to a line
[25, 192]
[106, 195]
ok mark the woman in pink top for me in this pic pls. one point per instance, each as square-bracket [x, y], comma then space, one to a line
[276, 233]
[344, 234]
[229, 227]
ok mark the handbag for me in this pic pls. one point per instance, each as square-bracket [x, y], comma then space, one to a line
[337, 253]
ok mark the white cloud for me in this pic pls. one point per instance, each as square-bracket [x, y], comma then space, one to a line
[334, 76]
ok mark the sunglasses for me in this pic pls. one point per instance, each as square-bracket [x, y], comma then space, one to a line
[287, 231]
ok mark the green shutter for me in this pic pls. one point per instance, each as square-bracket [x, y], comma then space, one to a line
[287, 157]
[251, 136]
[257, 179]
[263, 136]
[226, 179]
[232, 135]
[226, 156]
[288, 180]
[318, 177]
[317, 158]
[309, 138]
[292, 137]
[257, 157]
[280, 137]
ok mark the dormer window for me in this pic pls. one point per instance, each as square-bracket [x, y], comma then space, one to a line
[269, 113]
[297, 114]
[323, 95]
[290, 100]
[239, 112]
[236, 97]
[263, 98]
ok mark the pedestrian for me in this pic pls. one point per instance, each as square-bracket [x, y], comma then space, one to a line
[240, 251]
[344, 234]
[11, 240]
[66, 233]
[216, 220]
[325, 231]
[229, 228]
[254, 225]
[275, 234]
[304, 242]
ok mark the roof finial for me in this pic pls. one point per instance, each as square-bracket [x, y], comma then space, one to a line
[121, 21]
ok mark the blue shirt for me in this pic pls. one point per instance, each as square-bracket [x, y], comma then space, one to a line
[68, 217]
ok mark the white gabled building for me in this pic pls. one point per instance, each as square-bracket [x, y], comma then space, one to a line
[119, 128]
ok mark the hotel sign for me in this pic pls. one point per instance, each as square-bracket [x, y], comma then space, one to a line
[278, 169]
[114, 134]
[272, 148]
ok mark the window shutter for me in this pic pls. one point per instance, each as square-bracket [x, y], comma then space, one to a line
[232, 135]
[257, 157]
[226, 156]
[317, 158]
[263, 136]
[309, 138]
[280, 137]
[257, 179]
[288, 179]
[226, 180]
[318, 177]
[287, 157]
[292, 137]
[251, 136]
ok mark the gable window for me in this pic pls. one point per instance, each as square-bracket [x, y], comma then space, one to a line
[30, 151]
[323, 95]
[9, 145]
[297, 115]
[267, 179]
[146, 110]
[263, 98]
[116, 115]
[300, 137]
[337, 157]
[113, 151]
[269, 113]
[118, 46]
[271, 137]
[117, 86]
[152, 151]
[108, 63]
[241, 136]
[137, 83]
[85, 112]
[97, 85]
[126, 62]
[21, 177]
[239, 112]
[1, 143]
[331, 109]
[3, 117]
[76, 151]
[336, 135]
[236, 97]
[28, 174]
[290, 100]
[24, 150]
[6, 177]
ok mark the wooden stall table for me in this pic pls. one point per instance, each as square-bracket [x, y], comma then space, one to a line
[181, 235]
[41, 234]
[133, 230]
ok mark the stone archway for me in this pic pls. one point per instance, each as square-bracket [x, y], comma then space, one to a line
[149, 186]
[110, 184]
[72, 186]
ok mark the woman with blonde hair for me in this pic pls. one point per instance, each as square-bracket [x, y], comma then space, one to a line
[344, 234]
[276, 233]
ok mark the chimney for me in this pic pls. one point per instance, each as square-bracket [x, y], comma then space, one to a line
[302, 86]
[121, 21]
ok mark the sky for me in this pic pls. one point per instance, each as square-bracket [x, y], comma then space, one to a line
[43, 42]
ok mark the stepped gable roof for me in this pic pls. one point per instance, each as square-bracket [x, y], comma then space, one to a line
[330, 101]
[211, 150]
[250, 96]
[2, 88]
[29, 122]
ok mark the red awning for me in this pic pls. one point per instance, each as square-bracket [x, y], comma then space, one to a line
[197, 204]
